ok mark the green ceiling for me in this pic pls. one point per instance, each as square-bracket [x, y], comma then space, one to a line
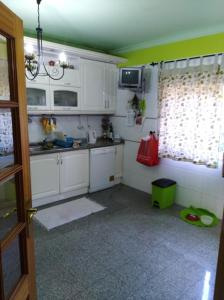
[121, 25]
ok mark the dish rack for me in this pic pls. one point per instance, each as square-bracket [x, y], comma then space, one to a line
[66, 143]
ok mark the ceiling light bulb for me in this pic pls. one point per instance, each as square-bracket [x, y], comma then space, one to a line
[62, 57]
[29, 49]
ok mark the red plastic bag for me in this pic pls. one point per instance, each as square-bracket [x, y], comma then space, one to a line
[148, 151]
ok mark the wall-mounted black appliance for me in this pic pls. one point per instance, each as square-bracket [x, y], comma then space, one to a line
[130, 78]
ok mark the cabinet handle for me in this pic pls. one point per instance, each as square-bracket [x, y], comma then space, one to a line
[61, 160]
[106, 103]
[58, 160]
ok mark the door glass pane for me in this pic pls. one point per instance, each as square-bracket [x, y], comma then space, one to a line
[4, 73]
[36, 97]
[6, 139]
[8, 214]
[11, 267]
[66, 98]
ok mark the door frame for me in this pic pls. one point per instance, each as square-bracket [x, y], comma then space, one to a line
[11, 27]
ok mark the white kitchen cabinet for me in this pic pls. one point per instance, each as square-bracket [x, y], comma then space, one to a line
[44, 175]
[91, 87]
[65, 98]
[59, 173]
[74, 170]
[38, 96]
[99, 82]
[110, 89]
[48, 95]
[119, 149]
[38, 79]
[71, 77]
[93, 78]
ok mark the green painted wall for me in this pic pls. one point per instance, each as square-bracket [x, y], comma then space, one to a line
[195, 47]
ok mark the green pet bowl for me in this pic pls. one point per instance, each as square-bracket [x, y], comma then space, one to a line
[206, 218]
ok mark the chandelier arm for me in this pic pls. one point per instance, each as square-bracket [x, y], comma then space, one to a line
[49, 75]
[34, 75]
[42, 56]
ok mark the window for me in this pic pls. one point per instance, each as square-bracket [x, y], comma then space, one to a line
[191, 113]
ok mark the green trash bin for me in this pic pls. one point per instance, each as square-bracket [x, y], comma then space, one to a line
[163, 192]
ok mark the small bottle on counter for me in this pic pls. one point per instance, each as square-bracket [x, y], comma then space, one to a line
[111, 132]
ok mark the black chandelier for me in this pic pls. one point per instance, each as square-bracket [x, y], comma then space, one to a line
[35, 65]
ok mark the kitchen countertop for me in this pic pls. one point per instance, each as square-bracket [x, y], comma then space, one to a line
[99, 144]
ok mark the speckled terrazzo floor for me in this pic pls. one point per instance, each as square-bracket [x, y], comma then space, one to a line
[128, 251]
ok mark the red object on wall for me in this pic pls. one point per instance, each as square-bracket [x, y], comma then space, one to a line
[148, 151]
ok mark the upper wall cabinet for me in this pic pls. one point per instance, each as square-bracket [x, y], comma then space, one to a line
[93, 81]
[71, 77]
[38, 96]
[89, 88]
[99, 83]
[111, 84]
[65, 98]
[38, 79]
[93, 74]
[45, 94]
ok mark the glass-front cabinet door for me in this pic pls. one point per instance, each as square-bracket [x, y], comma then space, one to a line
[17, 275]
[38, 96]
[64, 98]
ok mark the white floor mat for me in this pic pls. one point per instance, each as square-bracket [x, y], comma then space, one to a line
[64, 213]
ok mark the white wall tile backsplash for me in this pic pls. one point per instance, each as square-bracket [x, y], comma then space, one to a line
[75, 126]
[196, 185]
[6, 134]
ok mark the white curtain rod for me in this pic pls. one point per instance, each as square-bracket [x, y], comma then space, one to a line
[182, 59]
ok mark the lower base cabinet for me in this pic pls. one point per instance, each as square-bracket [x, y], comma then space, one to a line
[45, 175]
[62, 175]
[52, 174]
[74, 171]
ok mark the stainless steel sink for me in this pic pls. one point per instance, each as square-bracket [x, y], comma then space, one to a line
[35, 148]
[38, 148]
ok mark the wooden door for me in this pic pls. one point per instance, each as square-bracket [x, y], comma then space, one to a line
[219, 283]
[17, 274]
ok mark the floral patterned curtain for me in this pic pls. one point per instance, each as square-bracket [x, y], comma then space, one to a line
[191, 113]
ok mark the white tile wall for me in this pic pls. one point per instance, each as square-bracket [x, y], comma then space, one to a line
[196, 185]
[68, 124]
